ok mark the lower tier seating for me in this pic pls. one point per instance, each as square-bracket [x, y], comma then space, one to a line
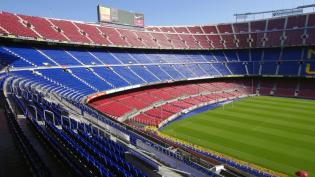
[153, 105]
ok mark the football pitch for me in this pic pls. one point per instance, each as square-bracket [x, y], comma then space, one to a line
[272, 132]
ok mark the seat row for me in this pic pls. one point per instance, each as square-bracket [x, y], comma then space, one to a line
[103, 156]
[286, 31]
[287, 88]
[158, 104]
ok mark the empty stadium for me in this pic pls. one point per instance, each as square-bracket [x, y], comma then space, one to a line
[110, 99]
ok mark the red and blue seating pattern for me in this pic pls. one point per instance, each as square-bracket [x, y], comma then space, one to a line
[145, 86]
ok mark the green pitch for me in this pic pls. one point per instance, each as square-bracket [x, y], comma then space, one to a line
[272, 132]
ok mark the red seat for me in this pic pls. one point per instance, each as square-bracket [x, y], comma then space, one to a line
[162, 40]
[294, 37]
[276, 24]
[190, 41]
[274, 39]
[176, 40]
[296, 22]
[229, 40]
[242, 40]
[181, 29]
[13, 25]
[241, 27]
[203, 41]
[258, 26]
[225, 28]
[311, 37]
[44, 28]
[147, 39]
[71, 31]
[216, 41]
[113, 36]
[311, 20]
[210, 29]
[195, 29]
[131, 38]
[94, 34]
[153, 29]
[167, 29]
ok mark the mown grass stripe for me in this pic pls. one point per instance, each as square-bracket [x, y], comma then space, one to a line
[253, 124]
[276, 115]
[236, 153]
[277, 133]
[233, 143]
[285, 100]
[288, 104]
[308, 111]
[246, 139]
[266, 121]
[263, 133]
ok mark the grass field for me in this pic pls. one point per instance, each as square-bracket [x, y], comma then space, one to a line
[275, 133]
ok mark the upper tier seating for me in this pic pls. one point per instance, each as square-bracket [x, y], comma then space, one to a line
[70, 30]
[264, 33]
[94, 34]
[16, 26]
[44, 28]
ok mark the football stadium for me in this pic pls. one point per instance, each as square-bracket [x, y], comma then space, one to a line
[118, 98]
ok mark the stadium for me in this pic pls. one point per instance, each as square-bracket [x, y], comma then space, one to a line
[118, 98]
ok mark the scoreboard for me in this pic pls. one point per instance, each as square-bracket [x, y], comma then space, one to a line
[117, 16]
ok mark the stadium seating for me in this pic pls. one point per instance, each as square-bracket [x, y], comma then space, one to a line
[97, 151]
[266, 86]
[181, 29]
[253, 34]
[131, 38]
[112, 68]
[183, 96]
[195, 29]
[71, 31]
[306, 89]
[134, 76]
[94, 34]
[286, 89]
[16, 26]
[113, 36]
[44, 28]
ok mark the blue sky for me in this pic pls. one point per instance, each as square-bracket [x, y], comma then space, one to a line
[157, 12]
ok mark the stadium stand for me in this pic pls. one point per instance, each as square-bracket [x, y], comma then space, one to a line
[43, 27]
[291, 31]
[131, 85]
[193, 94]
[306, 89]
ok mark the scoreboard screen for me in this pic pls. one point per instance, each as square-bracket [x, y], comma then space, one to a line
[117, 16]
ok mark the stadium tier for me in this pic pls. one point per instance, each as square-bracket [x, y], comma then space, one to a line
[92, 71]
[95, 91]
[154, 106]
[284, 31]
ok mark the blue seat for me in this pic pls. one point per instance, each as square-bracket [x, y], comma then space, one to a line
[172, 72]
[146, 75]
